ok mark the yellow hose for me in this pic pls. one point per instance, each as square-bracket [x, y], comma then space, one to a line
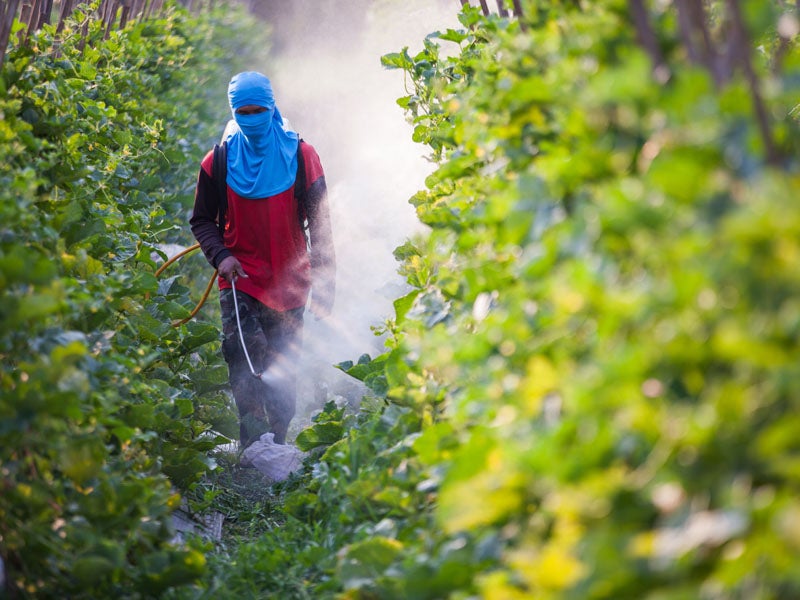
[199, 304]
[205, 294]
[183, 252]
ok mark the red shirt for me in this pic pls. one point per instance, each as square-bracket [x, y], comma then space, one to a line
[266, 237]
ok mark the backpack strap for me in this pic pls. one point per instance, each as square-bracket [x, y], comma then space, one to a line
[300, 192]
[219, 173]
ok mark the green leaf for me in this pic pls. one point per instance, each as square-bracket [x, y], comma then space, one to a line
[403, 305]
[322, 434]
[451, 35]
[396, 60]
[361, 563]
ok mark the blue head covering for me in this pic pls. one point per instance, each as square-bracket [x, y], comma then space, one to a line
[262, 156]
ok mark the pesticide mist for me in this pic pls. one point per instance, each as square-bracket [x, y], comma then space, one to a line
[329, 83]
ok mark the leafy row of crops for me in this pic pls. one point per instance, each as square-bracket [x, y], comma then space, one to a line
[591, 388]
[105, 407]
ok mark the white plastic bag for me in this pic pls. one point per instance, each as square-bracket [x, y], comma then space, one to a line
[276, 461]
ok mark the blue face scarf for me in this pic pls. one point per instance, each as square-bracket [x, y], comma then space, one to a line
[262, 156]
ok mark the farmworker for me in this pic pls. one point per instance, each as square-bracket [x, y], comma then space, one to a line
[262, 248]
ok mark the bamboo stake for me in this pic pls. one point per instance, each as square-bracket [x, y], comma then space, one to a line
[112, 8]
[126, 11]
[44, 13]
[147, 10]
[66, 11]
[7, 15]
[501, 8]
[646, 36]
[696, 38]
[762, 116]
[25, 17]
[33, 17]
[519, 14]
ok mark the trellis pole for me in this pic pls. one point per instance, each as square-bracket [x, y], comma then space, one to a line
[8, 11]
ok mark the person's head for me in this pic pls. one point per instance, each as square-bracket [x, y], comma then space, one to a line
[252, 102]
[262, 154]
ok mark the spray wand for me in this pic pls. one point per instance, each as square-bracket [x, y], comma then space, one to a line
[241, 335]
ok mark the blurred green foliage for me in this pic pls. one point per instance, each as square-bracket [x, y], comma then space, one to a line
[107, 413]
[609, 298]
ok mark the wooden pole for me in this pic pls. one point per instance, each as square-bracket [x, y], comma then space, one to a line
[746, 61]
[25, 17]
[45, 13]
[138, 10]
[84, 33]
[645, 35]
[147, 9]
[33, 17]
[501, 8]
[110, 16]
[126, 12]
[519, 14]
[696, 38]
[8, 13]
[66, 11]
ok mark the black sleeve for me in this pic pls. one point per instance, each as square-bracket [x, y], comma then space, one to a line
[323, 257]
[203, 221]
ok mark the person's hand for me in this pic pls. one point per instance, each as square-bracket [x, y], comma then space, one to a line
[230, 268]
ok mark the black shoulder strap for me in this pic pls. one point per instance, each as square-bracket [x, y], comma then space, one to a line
[219, 173]
[300, 193]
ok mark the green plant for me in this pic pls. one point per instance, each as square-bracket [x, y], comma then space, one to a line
[100, 430]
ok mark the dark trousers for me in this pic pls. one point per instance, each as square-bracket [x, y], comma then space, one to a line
[273, 339]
